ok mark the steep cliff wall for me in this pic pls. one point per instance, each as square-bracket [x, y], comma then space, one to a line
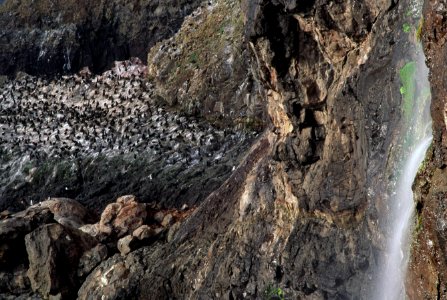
[299, 215]
[427, 277]
[300, 211]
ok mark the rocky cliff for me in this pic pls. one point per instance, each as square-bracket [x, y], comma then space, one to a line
[53, 37]
[427, 278]
[297, 216]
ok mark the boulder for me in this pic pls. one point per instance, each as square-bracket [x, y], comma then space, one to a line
[13, 231]
[91, 258]
[123, 217]
[126, 244]
[54, 252]
[144, 232]
[159, 216]
[68, 212]
[93, 230]
[167, 220]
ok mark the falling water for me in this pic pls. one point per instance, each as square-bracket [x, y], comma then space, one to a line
[417, 138]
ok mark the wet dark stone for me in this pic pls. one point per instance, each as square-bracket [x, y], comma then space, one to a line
[46, 37]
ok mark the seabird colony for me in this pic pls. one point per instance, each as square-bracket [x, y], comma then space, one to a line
[112, 113]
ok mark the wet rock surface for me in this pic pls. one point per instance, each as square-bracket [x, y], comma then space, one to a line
[53, 37]
[427, 276]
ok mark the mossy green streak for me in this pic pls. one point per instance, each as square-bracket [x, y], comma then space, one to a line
[408, 89]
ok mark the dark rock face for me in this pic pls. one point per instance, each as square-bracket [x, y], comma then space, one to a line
[50, 37]
[427, 276]
[296, 213]
[12, 232]
[54, 252]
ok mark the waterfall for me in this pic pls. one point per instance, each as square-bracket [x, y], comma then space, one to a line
[416, 138]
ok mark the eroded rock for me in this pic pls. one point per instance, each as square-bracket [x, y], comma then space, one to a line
[122, 217]
[427, 271]
[111, 278]
[91, 258]
[126, 244]
[13, 231]
[144, 232]
[68, 212]
[53, 253]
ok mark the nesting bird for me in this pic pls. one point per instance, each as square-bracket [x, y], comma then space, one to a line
[111, 113]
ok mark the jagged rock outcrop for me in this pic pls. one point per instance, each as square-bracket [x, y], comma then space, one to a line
[31, 245]
[51, 37]
[45, 255]
[427, 275]
[204, 69]
[297, 212]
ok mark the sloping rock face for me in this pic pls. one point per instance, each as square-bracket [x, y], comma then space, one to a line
[296, 214]
[50, 37]
[204, 69]
[427, 278]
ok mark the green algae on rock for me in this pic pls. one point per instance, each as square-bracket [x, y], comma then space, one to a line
[408, 89]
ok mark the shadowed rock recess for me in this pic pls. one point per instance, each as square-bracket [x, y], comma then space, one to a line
[257, 148]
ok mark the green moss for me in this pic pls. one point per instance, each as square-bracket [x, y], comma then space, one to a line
[419, 29]
[419, 225]
[203, 45]
[27, 167]
[203, 42]
[408, 88]
[194, 58]
[272, 292]
[43, 172]
[406, 28]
